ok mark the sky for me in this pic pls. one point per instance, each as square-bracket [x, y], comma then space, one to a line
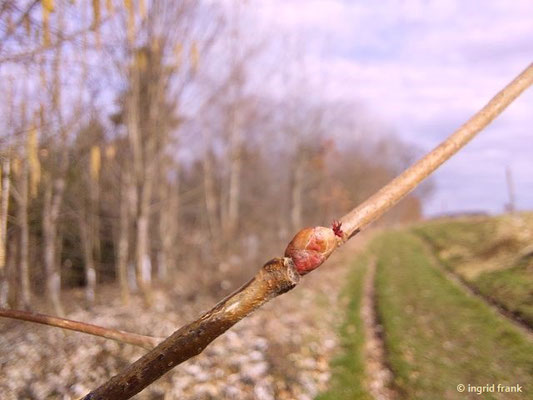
[422, 68]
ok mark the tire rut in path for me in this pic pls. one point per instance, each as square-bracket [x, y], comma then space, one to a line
[379, 376]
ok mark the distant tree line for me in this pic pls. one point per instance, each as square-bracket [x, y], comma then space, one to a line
[139, 144]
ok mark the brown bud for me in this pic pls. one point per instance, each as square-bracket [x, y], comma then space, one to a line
[311, 247]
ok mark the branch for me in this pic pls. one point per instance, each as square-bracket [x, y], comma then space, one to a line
[274, 278]
[61, 38]
[148, 342]
[307, 250]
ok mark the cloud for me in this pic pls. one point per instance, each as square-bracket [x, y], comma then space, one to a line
[425, 67]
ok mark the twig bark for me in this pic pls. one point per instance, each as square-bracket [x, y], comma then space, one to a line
[276, 277]
[279, 275]
[147, 342]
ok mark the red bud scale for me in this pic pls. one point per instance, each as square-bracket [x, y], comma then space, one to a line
[312, 246]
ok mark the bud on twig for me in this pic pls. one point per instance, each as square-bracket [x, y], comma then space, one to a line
[312, 246]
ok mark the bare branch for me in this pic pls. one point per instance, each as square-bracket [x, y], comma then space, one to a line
[281, 274]
[61, 40]
[147, 342]
[276, 277]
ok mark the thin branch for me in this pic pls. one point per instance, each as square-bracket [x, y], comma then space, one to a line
[147, 342]
[61, 39]
[281, 274]
[24, 14]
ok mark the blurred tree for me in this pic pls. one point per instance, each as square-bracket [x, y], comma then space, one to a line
[201, 159]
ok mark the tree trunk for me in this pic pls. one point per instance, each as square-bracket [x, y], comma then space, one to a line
[143, 262]
[165, 220]
[132, 123]
[123, 238]
[143, 167]
[210, 197]
[4, 204]
[22, 217]
[165, 226]
[88, 258]
[11, 274]
[53, 197]
[55, 188]
[132, 201]
[235, 174]
[94, 221]
[168, 221]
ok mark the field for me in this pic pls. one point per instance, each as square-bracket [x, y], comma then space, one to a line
[438, 335]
